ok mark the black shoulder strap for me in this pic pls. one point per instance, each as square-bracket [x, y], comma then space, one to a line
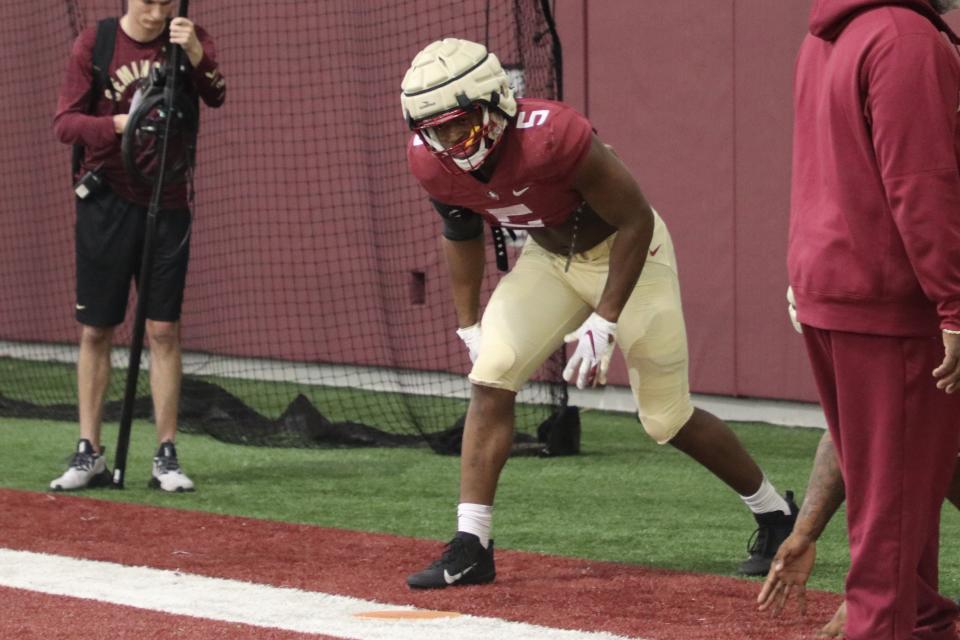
[103, 51]
[102, 57]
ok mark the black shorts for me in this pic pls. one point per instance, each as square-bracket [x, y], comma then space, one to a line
[109, 239]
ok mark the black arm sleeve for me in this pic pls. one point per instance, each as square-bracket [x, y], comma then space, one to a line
[459, 224]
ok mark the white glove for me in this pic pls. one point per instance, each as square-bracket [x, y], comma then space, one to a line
[471, 337]
[792, 310]
[590, 361]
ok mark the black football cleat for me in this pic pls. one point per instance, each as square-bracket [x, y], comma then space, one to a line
[772, 529]
[464, 561]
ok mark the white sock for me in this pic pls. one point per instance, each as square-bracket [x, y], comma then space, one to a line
[766, 499]
[476, 519]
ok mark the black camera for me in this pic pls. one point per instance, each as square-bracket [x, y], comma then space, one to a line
[90, 183]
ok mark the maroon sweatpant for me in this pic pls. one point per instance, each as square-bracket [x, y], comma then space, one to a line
[896, 437]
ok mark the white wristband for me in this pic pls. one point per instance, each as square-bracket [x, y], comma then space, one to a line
[952, 332]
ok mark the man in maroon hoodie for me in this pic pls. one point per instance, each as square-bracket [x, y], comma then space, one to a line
[110, 224]
[874, 263]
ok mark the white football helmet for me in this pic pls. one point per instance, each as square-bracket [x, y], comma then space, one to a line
[452, 79]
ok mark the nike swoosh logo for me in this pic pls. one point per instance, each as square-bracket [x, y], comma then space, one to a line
[653, 252]
[451, 578]
[81, 307]
[520, 192]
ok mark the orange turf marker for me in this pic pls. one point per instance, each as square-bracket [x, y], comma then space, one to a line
[407, 615]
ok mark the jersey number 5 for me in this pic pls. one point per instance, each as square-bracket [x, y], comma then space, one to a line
[527, 119]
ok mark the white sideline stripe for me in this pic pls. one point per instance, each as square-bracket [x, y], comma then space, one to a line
[612, 398]
[249, 603]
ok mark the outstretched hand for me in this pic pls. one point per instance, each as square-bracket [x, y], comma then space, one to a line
[788, 574]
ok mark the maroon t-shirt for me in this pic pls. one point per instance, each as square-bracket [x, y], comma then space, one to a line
[532, 183]
[132, 61]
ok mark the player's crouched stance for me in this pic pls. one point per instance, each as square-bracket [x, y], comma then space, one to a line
[598, 268]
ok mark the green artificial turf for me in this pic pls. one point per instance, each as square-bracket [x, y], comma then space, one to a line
[623, 499]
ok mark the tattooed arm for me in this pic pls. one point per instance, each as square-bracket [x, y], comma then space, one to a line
[825, 491]
[793, 563]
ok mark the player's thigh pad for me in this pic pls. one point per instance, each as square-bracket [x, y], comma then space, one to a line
[653, 339]
[530, 311]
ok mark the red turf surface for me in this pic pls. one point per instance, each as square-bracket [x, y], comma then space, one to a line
[558, 592]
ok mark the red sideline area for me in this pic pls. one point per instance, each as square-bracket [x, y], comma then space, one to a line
[622, 599]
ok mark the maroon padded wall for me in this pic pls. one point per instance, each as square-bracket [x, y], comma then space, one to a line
[771, 361]
[695, 96]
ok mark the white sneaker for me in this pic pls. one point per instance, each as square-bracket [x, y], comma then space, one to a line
[167, 474]
[87, 469]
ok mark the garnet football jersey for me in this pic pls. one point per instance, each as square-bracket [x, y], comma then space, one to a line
[531, 185]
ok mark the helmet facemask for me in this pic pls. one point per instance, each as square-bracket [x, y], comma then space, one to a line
[473, 146]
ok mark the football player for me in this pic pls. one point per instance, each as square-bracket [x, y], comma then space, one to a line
[598, 268]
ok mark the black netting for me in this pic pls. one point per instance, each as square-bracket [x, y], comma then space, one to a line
[317, 297]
